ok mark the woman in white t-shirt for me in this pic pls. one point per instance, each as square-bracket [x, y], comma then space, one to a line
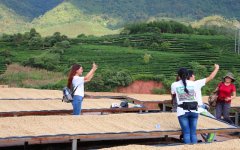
[76, 81]
[202, 109]
[188, 102]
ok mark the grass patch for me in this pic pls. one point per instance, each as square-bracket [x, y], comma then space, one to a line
[19, 76]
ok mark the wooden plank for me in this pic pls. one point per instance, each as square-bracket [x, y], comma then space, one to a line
[69, 112]
[101, 136]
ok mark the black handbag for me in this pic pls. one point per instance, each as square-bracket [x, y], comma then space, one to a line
[189, 106]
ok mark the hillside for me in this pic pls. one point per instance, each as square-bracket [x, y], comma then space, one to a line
[216, 21]
[123, 58]
[182, 49]
[31, 9]
[129, 52]
[133, 10]
[74, 17]
[11, 22]
[69, 20]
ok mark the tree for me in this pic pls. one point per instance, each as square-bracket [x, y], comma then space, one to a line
[165, 45]
[63, 44]
[146, 58]
[34, 33]
[154, 45]
[35, 43]
[126, 42]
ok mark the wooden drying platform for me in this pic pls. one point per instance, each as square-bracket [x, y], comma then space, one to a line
[233, 144]
[111, 95]
[27, 93]
[10, 108]
[150, 101]
[55, 129]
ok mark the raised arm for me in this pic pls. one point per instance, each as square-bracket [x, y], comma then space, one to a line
[90, 74]
[213, 74]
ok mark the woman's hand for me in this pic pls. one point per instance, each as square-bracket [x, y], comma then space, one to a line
[216, 66]
[90, 74]
[228, 99]
[213, 74]
[94, 66]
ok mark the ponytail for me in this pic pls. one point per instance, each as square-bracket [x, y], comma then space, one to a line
[183, 74]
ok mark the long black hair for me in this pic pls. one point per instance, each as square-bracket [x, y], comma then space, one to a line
[72, 73]
[190, 74]
[183, 74]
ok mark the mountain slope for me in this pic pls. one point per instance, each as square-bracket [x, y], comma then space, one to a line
[11, 22]
[132, 10]
[69, 20]
[142, 9]
[99, 17]
[216, 21]
[31, 8]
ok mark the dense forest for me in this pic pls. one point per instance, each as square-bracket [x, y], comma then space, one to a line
[143, 9]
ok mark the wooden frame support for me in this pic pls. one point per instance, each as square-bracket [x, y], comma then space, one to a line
[100, 136]
[25, 145]
[236, 118]
[60, 112]
[74, 144]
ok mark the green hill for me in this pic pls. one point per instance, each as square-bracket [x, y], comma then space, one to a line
[142, 55]
[73, 17]
[11, 22]
[132, 10]
[69, 20]
[135, 10]
[112, 52]
[216, 21]
[183, 49]
[30, 9]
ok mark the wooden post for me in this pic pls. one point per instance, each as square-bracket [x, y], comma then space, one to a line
[25, 145]
[166, 137]
[74, 144]
[164, 107]
[236, 118]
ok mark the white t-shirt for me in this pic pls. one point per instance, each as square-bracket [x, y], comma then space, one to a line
[78, 81]
[200, 84]
[193, 88]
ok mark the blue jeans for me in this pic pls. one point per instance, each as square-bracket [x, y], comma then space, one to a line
[188, 123]
[77, 104]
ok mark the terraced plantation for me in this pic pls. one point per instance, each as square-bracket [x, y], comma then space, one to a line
[182, 49]
[127, 52]
[115, 57]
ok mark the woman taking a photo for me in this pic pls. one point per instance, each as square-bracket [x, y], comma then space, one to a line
[75, 81]
[188, 100]
[226, 93]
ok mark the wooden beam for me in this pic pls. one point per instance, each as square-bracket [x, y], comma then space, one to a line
[104, 136]
[59, 112]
